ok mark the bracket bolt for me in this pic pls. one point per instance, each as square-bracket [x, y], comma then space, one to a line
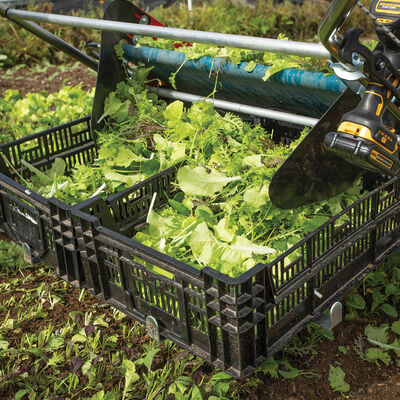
[356, 59]
[144, 20]
[152, 328]
[381, 65]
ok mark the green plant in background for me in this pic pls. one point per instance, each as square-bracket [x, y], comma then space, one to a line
[266, 20]
[336, 380]
[93, 354]
[306, 347]
[103, 354]
[380, 291]
[35, 112]
[22, 47]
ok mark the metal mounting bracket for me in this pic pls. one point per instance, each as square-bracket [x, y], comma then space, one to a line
[152, 328]
[343, 73]
[27, 253]
[334, 317]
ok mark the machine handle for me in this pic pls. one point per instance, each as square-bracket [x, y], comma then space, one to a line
[337, 13]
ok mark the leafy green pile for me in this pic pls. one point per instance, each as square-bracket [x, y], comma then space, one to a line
[221, 215]
[127, 146]
[223, 218]
[22, 116]
[276, 61]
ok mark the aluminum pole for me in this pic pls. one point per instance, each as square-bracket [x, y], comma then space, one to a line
[338, 12]
[236, 107]
[219, 39]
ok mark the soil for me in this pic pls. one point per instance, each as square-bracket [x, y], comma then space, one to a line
[51, 79]
[367, 381]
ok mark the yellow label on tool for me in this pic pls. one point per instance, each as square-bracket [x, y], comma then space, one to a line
[385, 20]
[388, 7]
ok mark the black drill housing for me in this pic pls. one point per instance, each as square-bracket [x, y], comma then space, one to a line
[362, 137]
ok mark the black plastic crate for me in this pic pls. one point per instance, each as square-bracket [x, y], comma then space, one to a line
[43, 226]
[235, 324]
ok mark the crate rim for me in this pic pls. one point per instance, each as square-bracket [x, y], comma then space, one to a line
[338, 215]
[28, 193]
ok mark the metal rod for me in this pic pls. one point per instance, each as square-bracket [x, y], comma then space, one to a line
[219, 39]
[236, 107]
[172, 94]
[337, 13]
[51, 38]
[328, 33]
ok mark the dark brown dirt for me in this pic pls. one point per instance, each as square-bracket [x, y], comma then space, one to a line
[51, 79]
[367, 381]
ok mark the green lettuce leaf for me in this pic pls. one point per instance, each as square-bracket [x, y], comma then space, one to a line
[197, 182]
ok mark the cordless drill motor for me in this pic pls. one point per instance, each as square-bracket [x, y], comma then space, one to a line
[363, 137]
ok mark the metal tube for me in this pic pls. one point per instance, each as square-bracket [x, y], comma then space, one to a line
[337, 13]
[220, 39]
[52, 39]
[236, 107]
[334, 18]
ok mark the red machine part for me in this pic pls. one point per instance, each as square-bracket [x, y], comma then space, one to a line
[152, 21]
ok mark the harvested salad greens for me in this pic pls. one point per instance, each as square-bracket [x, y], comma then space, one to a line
[276, 61]
[221, 215]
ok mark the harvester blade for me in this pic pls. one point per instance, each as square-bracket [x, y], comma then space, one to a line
[312, 173]
[111, 70]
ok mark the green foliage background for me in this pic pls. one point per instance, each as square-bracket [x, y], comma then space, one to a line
[265, 20]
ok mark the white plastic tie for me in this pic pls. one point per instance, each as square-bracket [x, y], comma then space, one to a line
[151, 206]
[98, 191]
[162, 244]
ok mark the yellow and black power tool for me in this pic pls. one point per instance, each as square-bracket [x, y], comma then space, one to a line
[364, 136]
[361, 127]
